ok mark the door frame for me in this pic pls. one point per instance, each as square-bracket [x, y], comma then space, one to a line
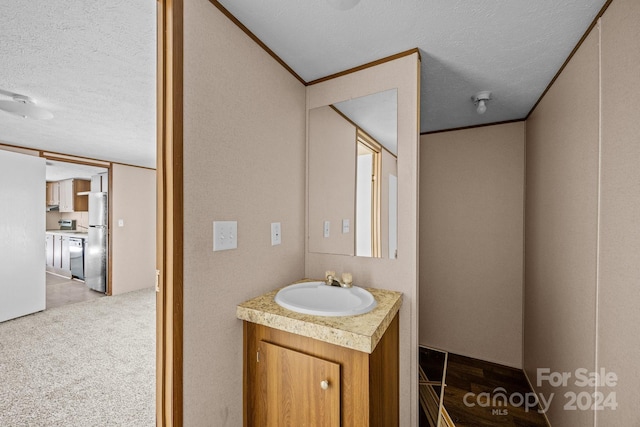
[47, 155]
[169, 249]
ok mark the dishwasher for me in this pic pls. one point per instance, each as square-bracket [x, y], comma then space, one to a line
[76, 257]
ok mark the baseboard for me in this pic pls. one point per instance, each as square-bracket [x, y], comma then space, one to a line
[59, 272]
[544, 414]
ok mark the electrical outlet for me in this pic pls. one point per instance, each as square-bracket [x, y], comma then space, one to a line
[276, 237]
[327, 226]
[225, 235]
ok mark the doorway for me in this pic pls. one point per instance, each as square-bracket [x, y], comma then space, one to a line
[77, 255]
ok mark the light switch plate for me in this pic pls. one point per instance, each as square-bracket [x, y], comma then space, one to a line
[345, 226]
[326, 230]
[121, 223]
[225, 235]
[276, 236]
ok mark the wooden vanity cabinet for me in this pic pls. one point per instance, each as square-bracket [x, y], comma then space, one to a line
[284, 374]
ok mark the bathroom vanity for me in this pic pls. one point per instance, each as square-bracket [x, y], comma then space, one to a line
[302, 369]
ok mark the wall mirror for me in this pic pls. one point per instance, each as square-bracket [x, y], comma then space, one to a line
[353, 184]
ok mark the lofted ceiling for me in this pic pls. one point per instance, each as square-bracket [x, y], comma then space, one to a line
[92, 63]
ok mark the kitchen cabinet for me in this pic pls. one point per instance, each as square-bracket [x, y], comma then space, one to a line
[61, 258]
[57, 250]
[65, 260]
[69, 199]
[53, 193]
[49, 250]
[58, 259]
[293, 380]
[100, 183]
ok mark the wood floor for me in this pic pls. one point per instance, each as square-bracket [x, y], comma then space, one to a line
[62, 291]
[467, 378]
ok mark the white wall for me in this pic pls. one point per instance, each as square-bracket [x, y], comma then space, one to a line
[22, 235]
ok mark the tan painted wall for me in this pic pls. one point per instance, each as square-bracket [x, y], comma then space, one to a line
[244, 160]
[332, 181]
[82, 219]
[561, 230]
[583, 205]
[619, 284]
[133, 255]
[471, 242]
[400, 274]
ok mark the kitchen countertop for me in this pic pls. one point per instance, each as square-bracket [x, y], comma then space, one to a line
[361, 332]
[69, 233]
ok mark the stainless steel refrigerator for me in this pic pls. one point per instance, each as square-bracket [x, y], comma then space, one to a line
[95, 252]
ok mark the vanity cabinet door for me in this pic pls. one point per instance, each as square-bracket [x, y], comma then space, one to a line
[299, 390]
[283, 373]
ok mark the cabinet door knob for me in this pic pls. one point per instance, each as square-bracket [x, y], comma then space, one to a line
[324, 384]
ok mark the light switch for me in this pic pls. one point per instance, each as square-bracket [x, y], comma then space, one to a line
[225, 235]
[326, 228]
[121, 223]
[276, 237]
[345, 226]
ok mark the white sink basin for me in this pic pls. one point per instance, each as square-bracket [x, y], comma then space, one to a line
[318, 299]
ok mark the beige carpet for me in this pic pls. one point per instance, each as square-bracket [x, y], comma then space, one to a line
[85, 364]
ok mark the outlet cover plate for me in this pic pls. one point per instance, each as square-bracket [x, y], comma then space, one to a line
[225, 235]
[276, 234]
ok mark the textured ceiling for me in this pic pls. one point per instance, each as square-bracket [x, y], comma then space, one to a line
[512, 48]
[92, 62]
[57, 171]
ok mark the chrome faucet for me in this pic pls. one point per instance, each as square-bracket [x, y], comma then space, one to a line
[330, 279]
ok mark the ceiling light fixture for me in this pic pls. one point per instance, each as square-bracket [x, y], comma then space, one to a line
[24, 106]
[343, 4]
[480, 101]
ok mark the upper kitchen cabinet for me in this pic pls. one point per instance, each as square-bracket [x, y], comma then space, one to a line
[53, 193]
[100, 183]
[70, 201]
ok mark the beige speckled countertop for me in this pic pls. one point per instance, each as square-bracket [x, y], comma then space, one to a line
[361, 332]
